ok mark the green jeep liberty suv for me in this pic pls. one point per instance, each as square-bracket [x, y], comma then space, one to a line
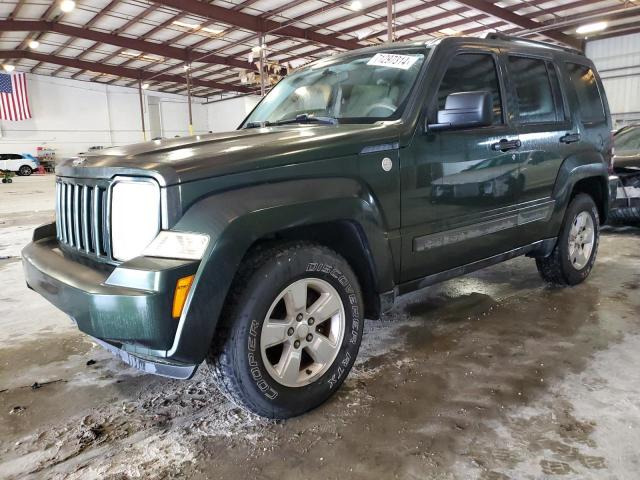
[358, 178]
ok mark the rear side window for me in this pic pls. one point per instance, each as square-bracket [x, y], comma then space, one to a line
[584, 82]
[537, 102]
[470, 72]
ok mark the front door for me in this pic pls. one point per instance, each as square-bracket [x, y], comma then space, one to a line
[459, 186]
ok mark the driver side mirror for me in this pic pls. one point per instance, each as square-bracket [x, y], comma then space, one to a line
[465, 110]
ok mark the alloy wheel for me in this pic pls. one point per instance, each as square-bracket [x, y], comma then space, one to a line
[581, 240]
[302, 332]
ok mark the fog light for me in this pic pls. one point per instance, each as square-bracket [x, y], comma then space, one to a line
[183, 285]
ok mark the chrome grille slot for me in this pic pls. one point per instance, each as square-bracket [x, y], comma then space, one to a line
[82, 216]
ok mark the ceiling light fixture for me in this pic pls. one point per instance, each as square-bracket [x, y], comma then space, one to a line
[213, 31]
[142, 56]
[67, 5]
[591, 27]
[197, 27]
[185, 24]
[356, 5]
[34, 44]
[449, 31]
[145, 86]
[9, 68]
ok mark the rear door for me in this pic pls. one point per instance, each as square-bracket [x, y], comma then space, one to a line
[545, 131]
[541, 122]
[593, 124]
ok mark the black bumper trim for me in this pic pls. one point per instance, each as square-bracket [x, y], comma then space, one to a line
[181, 372]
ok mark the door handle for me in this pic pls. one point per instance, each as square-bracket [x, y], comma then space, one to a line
[570, 138]
[505, 145]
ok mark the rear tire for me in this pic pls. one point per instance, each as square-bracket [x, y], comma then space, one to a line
[270, 355]
[575, 252]
[25, 170]
[625, 216]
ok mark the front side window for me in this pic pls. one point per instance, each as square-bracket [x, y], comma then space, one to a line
[361, 89]
[471, 72]
[536, 100]
[585, 84]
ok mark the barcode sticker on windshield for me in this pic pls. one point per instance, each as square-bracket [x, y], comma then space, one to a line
[393, 60]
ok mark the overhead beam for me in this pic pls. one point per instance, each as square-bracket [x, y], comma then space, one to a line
[519, 20]
[70, 40]
[256, 24]
[144, 46]
[125, 72]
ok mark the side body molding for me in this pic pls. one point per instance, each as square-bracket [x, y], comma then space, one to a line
[235, 219]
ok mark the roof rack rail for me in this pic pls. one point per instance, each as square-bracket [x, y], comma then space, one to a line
[512, 38]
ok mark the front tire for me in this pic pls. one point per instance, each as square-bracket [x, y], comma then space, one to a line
[573, 257]
[290, 330]
[25, 170]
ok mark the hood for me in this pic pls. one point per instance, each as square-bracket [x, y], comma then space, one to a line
[185, 159]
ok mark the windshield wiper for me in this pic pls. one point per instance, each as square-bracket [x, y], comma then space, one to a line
[258, 124]
[306, 118]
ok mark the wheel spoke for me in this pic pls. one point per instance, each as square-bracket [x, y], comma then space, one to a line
[325, 307]
[296, 297]
[587, 236]
[575, 229]
[289, 366]
[321, 349]
[273, 333]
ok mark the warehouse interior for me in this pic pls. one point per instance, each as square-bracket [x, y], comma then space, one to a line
[492, 375]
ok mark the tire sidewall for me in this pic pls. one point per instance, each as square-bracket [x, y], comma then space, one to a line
[27, 171]
[266, 284]
[581, 203]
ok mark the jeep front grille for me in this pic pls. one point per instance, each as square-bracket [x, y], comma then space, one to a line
[82, 216]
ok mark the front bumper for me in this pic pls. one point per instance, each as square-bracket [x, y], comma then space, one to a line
[126, 307]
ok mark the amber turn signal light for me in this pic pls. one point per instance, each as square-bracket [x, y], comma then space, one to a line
[180, 296]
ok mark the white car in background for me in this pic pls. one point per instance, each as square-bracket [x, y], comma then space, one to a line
[23, 164]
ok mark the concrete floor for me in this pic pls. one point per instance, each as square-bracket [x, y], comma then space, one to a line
[490, 376]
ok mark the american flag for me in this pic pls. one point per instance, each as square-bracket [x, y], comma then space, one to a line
[14, 102]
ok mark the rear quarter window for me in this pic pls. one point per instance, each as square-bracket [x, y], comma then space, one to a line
[585, 84]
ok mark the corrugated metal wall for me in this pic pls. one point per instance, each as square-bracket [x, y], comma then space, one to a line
[618, 61]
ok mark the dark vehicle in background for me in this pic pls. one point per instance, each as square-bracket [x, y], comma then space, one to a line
[626, 167]
[358, 178]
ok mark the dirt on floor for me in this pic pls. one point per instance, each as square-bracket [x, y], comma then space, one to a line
[491, 376]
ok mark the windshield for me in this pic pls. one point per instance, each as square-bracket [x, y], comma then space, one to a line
[361, 89]
[628, 139]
